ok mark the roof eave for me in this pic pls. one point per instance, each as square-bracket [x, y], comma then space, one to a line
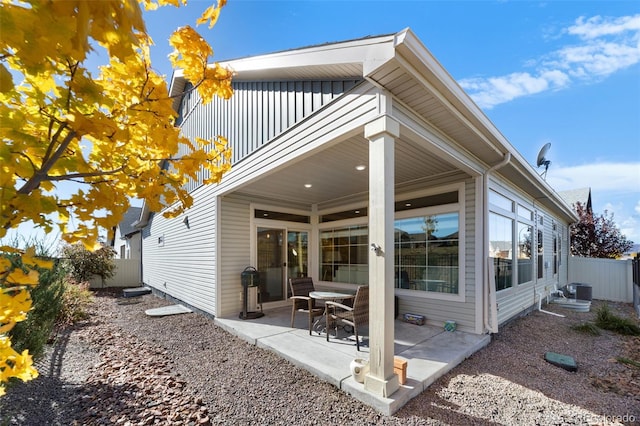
[345, 59]
[409, 46]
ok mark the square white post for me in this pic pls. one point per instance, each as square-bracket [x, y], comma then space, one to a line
[381, 133]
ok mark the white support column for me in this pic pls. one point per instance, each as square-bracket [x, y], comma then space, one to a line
[381, 133]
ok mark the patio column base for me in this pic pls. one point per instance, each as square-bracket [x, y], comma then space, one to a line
[380, 387]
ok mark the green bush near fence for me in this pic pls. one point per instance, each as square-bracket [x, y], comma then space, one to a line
[606, 320]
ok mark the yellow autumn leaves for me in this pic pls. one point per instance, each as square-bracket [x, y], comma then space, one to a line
[113, 130]
[209, 79]
[15, 303]
[110, 131]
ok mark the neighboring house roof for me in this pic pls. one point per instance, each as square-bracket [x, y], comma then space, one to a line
[126, 224]
[575, 196]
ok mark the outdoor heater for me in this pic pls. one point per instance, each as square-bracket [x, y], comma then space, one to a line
[250, 280]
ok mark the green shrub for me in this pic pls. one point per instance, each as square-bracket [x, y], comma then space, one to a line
[628, 361]
[47, 298]
[82, 264]
[76, 301]
[587, 328]
[56, 301]
[606, 320]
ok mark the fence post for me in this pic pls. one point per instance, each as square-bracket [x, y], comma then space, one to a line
[635, 272]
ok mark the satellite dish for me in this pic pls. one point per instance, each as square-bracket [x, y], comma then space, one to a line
[542, 159]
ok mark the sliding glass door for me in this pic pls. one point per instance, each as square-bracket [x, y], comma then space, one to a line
[281, 254]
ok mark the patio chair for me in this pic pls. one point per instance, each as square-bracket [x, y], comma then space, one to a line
[355, 316]
[301, 301]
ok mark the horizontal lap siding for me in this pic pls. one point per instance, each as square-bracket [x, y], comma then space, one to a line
[464, 313]
[235, 252]
[184, 266]
[517, 300]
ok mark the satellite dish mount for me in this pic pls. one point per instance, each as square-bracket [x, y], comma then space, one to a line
[542, 160]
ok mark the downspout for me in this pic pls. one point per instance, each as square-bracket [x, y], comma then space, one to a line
[490, 306]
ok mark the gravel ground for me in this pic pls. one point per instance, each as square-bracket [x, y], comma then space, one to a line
[123, 367]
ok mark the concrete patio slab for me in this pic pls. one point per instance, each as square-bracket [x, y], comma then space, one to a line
[429, 350]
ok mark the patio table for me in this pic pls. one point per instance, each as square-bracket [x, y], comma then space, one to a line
[334, 296]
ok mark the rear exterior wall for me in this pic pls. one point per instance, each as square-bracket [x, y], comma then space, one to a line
[464, 313]
[520, 298]
[180, 253]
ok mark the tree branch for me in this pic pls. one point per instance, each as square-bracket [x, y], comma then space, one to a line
[84, 175]
[42, 174]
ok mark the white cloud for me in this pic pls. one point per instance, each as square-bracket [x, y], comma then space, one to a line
[597, 26]
[606, 45]
[615, 187]
[600, 177]
[497, 90]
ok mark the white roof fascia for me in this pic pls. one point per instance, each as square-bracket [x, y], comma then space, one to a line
[407, 42]
[350, 52]
[372, 53]
[526, 170]
[177, 87]
[144, 217]
[366, 52]
[440, 144]
[406, 39]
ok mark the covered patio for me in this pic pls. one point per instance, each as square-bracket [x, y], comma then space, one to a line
[430, 352]
[379, 174]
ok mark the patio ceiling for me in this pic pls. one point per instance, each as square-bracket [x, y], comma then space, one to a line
[334, 178]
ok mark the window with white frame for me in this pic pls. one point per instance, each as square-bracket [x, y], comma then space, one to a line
[427, 248]
[540, 247]
[525, 244]
[344, 254]
[427, 252]
[501, 249]
[557, 248]
[511, 241]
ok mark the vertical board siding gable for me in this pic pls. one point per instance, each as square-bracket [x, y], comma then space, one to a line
[256, 113]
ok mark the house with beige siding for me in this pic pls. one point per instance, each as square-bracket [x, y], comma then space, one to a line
[361, 162]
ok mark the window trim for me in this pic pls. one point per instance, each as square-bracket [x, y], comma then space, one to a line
[458, 207]
[515, 216]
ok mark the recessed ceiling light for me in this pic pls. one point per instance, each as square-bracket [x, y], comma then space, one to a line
[407, 204]
[307, 185]
[360, 167]
[357, 211]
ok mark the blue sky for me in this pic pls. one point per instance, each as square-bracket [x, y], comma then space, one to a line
[559, 72]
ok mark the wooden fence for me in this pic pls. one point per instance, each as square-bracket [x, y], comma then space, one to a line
[128, 274]
[609, 279]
